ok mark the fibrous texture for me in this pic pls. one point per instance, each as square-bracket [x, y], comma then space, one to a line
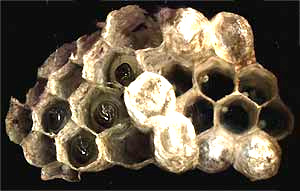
[174, 89]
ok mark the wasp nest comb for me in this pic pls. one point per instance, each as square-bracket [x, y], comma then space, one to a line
[174, 89]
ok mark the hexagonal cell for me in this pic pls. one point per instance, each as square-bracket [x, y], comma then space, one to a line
[257, 83]
[127, 146]
[174, 140]
[107, 111]
[56, 116]
[276, 119]
[93, 61]
[257, 156]
[123, 69]
[180, 77]
[215, 78]
[59, 170]
[78, 148]
[116, 66]
[51, 114]
[18, 121]
[56, 60]
[138, 32]
[201, 113]
[233, 38]
[185, 33]
[65, 80]
[149, 95]
[83, 45]
[216, 151]
[82, 149]
[39, 149]
[96, 107]
[33, 95]
[236, 114]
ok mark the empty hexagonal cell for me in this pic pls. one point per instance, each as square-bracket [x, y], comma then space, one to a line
[18, 121]
[138, 32]
[215, 78]
[51, 114]
[232, 38]
[236, 114]
[257, 83]
[65, 80]
[97, 108]
[276, 119]
[82, 149]
[127, 146]
[180, 77]
[39, 149]
[201, 112]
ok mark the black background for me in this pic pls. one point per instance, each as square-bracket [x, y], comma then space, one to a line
[31, 31]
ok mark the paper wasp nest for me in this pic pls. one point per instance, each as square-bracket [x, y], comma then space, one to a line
[174, 89]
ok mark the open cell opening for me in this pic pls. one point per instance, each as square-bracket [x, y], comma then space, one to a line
[275, 120]
[258, 88]
[216, 85]
[237, 116]
[82, 149]
[201, 113]
[181, 79]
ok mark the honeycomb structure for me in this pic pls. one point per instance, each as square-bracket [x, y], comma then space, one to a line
[174, 89]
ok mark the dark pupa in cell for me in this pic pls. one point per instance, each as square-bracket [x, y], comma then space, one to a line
[105, 114]
[82, 149]
[124, 74]
[56, 116]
